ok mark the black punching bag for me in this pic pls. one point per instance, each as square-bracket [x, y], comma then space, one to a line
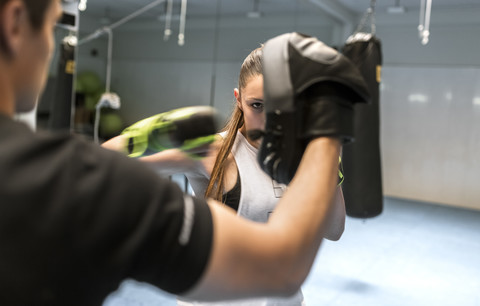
[362, 187]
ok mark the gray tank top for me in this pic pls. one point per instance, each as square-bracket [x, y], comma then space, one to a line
[259, 193]
[258, 198]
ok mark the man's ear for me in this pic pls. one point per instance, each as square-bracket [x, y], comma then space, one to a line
[236, 93]
[13, 17]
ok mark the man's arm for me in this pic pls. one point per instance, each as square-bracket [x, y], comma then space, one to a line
[336, 222]
[252, 259]
[170, 161]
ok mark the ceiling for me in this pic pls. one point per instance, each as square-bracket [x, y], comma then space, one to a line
[116, 9]
[414, 5]
[195, 8]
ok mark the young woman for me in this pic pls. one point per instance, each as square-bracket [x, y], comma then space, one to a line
[230, 173]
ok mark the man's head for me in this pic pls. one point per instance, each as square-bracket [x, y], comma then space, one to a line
[26, 47]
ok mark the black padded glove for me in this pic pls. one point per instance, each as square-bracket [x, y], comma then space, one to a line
[309, 92]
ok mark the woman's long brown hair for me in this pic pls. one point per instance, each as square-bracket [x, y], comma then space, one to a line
[252, 66]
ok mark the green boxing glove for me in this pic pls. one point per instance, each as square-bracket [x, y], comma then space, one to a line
[185, 128]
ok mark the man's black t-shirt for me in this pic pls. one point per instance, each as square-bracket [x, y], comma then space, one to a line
[76, 220]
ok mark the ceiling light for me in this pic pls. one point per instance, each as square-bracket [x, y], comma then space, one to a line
[82, 5]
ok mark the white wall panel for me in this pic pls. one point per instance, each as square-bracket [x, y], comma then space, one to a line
[430, 127]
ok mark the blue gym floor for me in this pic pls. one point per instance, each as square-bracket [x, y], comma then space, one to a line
[412, 254]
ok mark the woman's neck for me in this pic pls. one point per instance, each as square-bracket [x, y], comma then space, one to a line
[254, 143]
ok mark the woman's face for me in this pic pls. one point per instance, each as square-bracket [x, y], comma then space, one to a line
[250, 101]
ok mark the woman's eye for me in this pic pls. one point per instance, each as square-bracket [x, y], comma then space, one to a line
[257, 105]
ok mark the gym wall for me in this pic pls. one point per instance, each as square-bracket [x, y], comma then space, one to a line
[152, 75]
[430, 127]
[430, 112]
[430, 149]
